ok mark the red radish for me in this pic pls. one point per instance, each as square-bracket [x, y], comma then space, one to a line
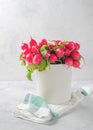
[63, 43]
[67, 52]
[35, 49]
[26, 51]
[77, 46]
[76, 64]
[24, 46]
[29, 58]
[69, 61]
[70, 45]
[43, 42]
[53, 58]
[59, 52]
[47, 54]
[75, 55]
[37, 59]
[23, 57]
[32, 43]
[51, 46]
[57, 41]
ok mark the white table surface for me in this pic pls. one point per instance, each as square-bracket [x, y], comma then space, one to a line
[12, 94]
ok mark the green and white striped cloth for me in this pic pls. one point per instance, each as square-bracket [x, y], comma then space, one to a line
[36, 109]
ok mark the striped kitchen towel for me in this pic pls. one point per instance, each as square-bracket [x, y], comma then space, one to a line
[36, 109]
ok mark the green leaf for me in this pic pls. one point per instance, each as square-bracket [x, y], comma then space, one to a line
[42, 66]
[55, 48]
[30, 70]
[23, 63]
[20, 57]
[44, 52]
[29, 75]
[65, 41]
[60, 45]
[48, 62]
[43, 49]
[79, 58]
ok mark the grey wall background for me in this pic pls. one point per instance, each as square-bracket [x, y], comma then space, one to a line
[52, 19]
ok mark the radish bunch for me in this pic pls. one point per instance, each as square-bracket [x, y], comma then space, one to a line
[47, 52]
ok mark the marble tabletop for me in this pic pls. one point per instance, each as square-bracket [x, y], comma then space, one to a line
[12, 94]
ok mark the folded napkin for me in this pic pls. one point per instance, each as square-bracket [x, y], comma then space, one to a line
[36, 109]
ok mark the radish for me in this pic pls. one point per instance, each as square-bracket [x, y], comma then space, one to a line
[59, 52]
[76, 64]
[35, 49]
[77, 46]
[29, 58]
[51, 46]
[67, 52]
[32, 42]
[47, 55]
[53, 58]
[43, 42]
[37, 59]
[23, 57]
[75, 55]
[26, 51]
[24, 46]
[57, 41]
[70, 45]
[69, 61]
